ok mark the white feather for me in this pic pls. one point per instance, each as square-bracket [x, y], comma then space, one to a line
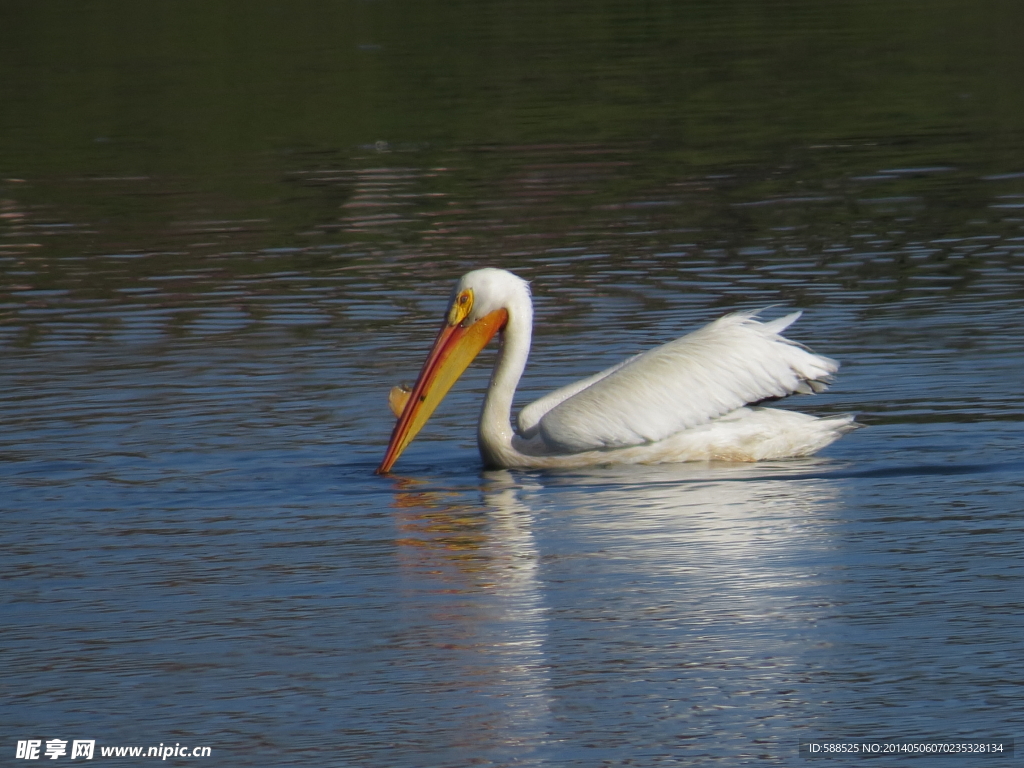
[531, 415]
[691, 381]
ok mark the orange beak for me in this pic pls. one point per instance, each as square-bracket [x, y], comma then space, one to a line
[454, 349]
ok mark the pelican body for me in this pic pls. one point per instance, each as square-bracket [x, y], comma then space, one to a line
[687, 400]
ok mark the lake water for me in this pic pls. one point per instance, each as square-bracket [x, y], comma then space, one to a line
[225, 233]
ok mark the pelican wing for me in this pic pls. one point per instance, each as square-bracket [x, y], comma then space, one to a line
[734, 361]
[529, 418]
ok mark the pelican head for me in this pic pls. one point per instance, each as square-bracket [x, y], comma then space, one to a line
[478, 309]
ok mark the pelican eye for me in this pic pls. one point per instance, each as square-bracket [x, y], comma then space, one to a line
[461, 307]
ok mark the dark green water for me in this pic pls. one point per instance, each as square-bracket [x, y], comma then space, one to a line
[226, 229]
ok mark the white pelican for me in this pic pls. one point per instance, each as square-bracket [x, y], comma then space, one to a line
[687, 400]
